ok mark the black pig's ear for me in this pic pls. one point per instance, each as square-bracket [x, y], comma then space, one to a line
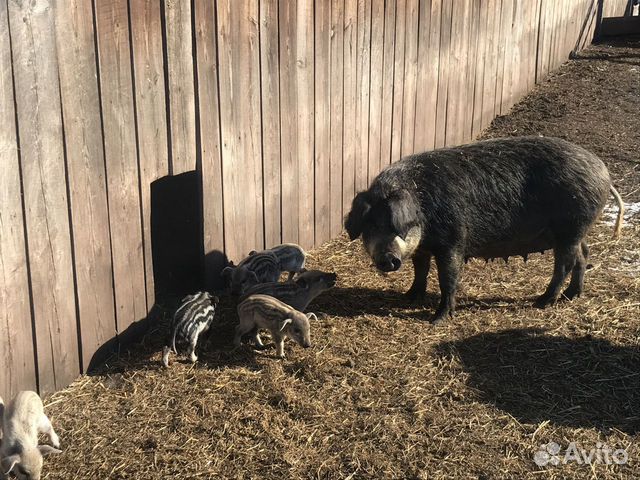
[404, 210]
[355, 220]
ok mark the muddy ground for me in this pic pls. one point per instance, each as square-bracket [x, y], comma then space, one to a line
[383, 394]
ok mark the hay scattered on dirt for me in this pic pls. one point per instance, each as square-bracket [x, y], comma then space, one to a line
[383, 394]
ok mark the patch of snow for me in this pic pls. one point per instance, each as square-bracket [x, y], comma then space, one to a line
[631, 213]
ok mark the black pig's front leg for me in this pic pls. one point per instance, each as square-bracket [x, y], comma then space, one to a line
[449, 265]
[421, 265]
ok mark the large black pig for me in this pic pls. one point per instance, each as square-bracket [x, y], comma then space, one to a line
[490, 199]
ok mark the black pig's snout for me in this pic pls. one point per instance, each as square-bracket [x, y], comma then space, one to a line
[388, 263]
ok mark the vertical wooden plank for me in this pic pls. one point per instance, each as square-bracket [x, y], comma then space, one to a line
[387, 82]
[337, 115]
[443, 73]
[412, 17]
[456, 97]
[180, 82]
[474, 63]
[398, 82]
[121, 161]
[349, 122]
[45, 196]
[270, 79]
[87, 184]
[491, 68]
[322, 120]
[239, 77]
[377, 79]
[514, 41]
[504, 51]
[465, 112]
[428, 73]
[16, 335]
[151, 115]
[363, 73]
[296, 96]
[209, 110]
[541, 57]
[551, 21]
[481, 65]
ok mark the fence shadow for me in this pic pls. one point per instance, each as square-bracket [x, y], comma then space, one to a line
[577, 382]
[180, 267]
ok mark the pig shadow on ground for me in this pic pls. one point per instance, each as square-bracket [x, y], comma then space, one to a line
[354, 301]
[582, 382]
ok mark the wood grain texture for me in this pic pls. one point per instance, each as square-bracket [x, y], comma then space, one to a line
[270, 78]
[363, 74]
[337, 116]
[239, 80]
[443, 73]
[151, 115]
[180, 85]
[375, 88]
[387, 83]
[16, 334]
[398, 81]
[86, 175]
[481, 61]
[412, 17]
[491, 62]
[322, 121]
[297, 123]
[427, 81]
[349, 98]
[45, 196]
[209, 148]
[121, 162]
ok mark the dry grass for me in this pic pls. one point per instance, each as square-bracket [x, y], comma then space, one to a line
[383, 394]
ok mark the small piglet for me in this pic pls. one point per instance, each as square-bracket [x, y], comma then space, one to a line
[193, 317]
[21, 422]
[256, 268]
[291, 257]
[299, 292]
[268, 313]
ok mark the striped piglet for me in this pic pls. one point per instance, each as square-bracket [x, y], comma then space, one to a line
[193, 317]
[265, 312]
[257, 268]
[291, 257]
[299, 292]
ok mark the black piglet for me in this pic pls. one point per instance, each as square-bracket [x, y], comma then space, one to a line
[193, 317]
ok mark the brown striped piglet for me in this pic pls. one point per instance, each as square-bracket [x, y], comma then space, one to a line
[291, 257]
[264, 312]
[297, 293]
[21, 422]
[257, 268]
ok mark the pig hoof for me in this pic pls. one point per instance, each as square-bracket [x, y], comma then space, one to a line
[438, 319]
[544, 301]
[415, 297]
[570, 293]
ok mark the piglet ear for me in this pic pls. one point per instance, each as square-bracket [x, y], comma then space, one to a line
[47, 450]
[226, 272]
[356, 218]
[284, 323]
[9, 462]
[312, 315]
[252, 253]
[302, 282]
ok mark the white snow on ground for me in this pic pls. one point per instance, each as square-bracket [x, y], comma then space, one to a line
[631, 213]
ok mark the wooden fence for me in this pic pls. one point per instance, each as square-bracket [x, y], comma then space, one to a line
[282, 110]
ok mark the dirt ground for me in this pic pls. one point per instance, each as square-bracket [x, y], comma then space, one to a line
[385, 395]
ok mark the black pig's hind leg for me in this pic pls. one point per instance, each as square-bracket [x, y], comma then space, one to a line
[577, 274]
[565, 258]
